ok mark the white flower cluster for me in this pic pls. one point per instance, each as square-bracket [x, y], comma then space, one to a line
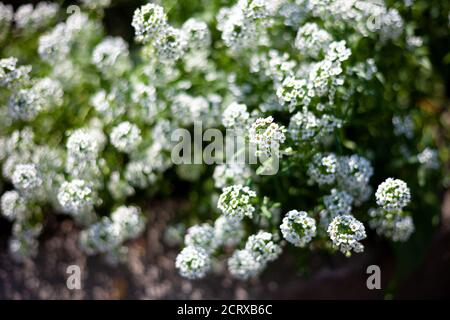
[197, 34]
[393, 194]
[364, 16]
[259, 249]
[152, 28]
[149, 21]
[92, 123]
[396, 226]
[130, 220]
[202, 236]
[236, 202]
[353, 175]
[126, 137]
[390, 220]
[193, 262]
[350, 174]
[429, 158]
[323, 168]
[56, 44]
[338, 203]
[242, 265]
[13, 205]
[108, 234]
[235, 116]
[11, 74]
[29, 19]
[242, 24]
[188, 109]
[311, 40]
[27, 179]
[6, 19]
[267, 136]
[262, 247]
[111, 56]
[298, 228]
[228, 232]
[96, 4]
[77, 197]
[229, 174]
[306, 127]
[322, 79]
[346, 233]
[202, 241]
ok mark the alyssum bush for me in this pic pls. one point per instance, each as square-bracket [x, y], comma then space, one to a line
[321, 85]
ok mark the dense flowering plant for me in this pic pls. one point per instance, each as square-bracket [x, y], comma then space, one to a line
[328, 88]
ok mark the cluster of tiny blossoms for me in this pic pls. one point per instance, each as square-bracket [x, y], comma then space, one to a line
[236, 202]
[390, 219]
[87, 125]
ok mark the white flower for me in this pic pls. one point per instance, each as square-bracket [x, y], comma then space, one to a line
[353, 175]
[76, 197]
[294, 92]
[298, 228]
[6, 18]
[393, 194]
[24, 104]
[83, 145]
[237, 32]
[345, 232]
[118, 187]
[429, 158]
[232, 173]
[196, 33]
[322, 168]
[338, 202]
[312, 40]
[111, 56]
[27, 178]
[149, 21]
[50, 92]
[193, 262]
[227, 232]
[201, 236]
[393, 225]
[262, 247]
[306, 127]
[13, 205]
[130, 220]
[139, 174]
[55, 44]
[187, 109]
[96, 4]
[235, 116]
[144, 96]
[242, 265]
[338, 51]
[267, 136]
[11, 74]
[102, 236]
[30, 20]
[170, 45]
[23, 246]
[126, 137]
[236, 202]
